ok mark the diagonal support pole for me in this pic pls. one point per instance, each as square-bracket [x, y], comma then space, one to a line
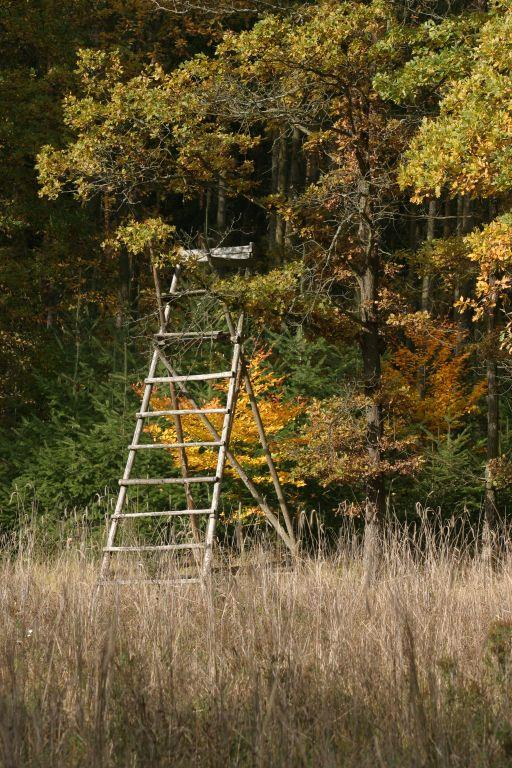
[272, 518]
[266, 450]
[263, 440]
[178, 426]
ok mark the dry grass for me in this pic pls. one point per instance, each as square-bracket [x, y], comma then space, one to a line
[275, 668]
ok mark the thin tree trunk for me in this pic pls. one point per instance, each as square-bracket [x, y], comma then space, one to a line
[492, 436]
[135, 270]
[282, 167]
[295, 179]
[493, 423]
[463, 286]
[221, 204]
[458, 231]
[370, 342]
[312, 173]
[414, 233]
[77, 333]
[207, 208]
[447, 222]
[426, 284]
[493, 433]
[273, 189]
[375, 490]
[371, 354]
[123, 291]
[467, 214]
[123, 267]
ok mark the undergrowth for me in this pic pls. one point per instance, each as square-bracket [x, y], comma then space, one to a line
[273, 666]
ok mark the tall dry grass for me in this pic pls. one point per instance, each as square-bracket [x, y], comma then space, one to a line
[274, 667]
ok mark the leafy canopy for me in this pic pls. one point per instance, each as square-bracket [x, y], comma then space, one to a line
[467, 148]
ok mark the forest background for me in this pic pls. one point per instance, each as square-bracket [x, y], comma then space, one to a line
[364, 147]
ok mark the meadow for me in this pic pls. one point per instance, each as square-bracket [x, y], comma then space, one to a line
[357, 155]
[271, 665]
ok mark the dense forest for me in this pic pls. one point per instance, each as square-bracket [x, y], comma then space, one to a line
[364, 147]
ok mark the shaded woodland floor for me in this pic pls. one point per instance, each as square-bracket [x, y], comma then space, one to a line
[275, 667]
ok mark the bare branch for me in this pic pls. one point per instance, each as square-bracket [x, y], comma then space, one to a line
[215, 9]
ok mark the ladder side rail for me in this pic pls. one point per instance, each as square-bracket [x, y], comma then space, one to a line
[225, 434]
[244, 477]
[121, 498]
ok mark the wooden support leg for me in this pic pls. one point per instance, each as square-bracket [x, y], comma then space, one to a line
[268, 456]
[264, 442]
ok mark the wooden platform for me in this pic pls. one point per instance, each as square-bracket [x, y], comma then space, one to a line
[235, 253]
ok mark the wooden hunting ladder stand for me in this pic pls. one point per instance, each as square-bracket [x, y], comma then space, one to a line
[192, 558]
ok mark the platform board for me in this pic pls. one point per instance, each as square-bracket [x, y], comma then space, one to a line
[235, 253]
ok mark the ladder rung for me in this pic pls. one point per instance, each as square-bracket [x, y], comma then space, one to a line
[192, 377]
[182, 412]
[191, 335]
[165, 513]
[154, 548]
[167, 480]
[143, 446]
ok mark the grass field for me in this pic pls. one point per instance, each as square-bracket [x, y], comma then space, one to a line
[274, 667]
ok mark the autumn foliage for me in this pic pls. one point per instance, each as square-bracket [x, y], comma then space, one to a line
[363, 147]
[426, 380]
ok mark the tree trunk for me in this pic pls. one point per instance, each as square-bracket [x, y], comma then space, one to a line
[426, 284]
[493, 435]
[135, 277]
[371, 354]
[221, 204]
[206, 221]
[282, 167]
[447, 221]
[295, 180]
[370, 342]
[493, 424]
[123, 291]
[312, 172]
[463, 286]
[272, 222]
